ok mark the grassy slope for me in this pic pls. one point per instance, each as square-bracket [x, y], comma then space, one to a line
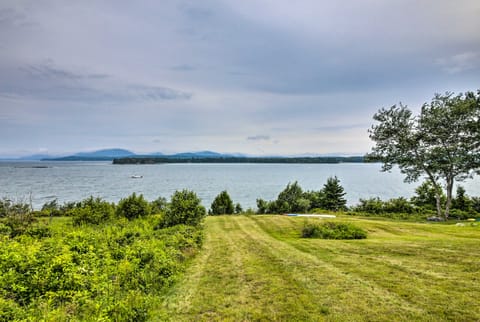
[257, 268]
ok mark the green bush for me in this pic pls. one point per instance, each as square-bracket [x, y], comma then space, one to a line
[91, 211]
[333, 230]
[294, 199]
[392, 206]
[425, 196]
[398, 205]
[476, 204]
[222, 204]
[17, 216]
[184, 208]
[265, 207]
[238, 208]
[133, 207]
[51, 208]
[110, 272]
[159, 205]
[370, 206]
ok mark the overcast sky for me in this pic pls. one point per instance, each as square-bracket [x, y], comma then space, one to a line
[251, 76]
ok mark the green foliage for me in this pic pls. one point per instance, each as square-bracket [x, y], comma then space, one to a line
[184, 208]
[91, 211]
[398, 205]
[398, 208]
[316, 199]
[9, 207]
[159, 205]
[440, 144]
[426, 196]
[476, 204]
[18, 217]
[333, 195]
[222, 204]
[238, 208]
[370, 206]
[106, 272]
[264, 207]
[133, 207]
[462, 202]
[289, 200]
[333, 230]
[294, 200]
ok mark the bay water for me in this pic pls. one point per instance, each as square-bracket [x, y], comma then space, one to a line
[43, 181]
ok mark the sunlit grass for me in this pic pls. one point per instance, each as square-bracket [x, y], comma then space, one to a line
[258, 268]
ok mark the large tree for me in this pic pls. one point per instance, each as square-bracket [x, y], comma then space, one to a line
[441, 144]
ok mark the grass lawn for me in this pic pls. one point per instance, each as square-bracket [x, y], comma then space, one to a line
[257, 268]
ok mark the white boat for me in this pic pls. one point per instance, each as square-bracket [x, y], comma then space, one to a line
[136, 177]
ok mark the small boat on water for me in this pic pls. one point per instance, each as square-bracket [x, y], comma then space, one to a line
[136, 176]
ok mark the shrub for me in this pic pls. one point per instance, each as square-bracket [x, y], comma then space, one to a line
[425, 196]
[51, 208]
[287, 200]
[91, 211]
[9, 207]
[398, 205]
[184, 208]
[91, 273]
[476, 204]
[133, 207]
[370, 206]
[316, 199]
[159, 205]
[18, 216]
[238, 208]
[333, 230]
[293, 199]
[376, 206]
[265, 207]
[222, 204]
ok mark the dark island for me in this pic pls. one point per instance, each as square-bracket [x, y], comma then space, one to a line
[232, 159]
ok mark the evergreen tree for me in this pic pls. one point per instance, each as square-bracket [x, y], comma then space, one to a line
[333, 194]
[462, 201]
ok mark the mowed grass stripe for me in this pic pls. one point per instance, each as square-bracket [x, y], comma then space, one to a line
[344, 295]
[437, 275]
[257, 268]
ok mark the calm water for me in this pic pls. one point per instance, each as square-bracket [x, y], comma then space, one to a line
[73, 181]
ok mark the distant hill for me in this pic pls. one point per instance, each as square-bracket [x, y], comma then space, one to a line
[200, 154]
[100, 155]
[116, 153]
[122, 156]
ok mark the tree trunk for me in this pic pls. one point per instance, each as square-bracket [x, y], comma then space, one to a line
[449, 197]
[438, 200]
[438, 193]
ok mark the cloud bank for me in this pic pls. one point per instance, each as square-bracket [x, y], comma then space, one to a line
[188, 75]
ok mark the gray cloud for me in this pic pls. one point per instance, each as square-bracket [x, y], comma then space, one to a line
[259, 138]
[461, 62]
[211, 74]
[183, 68]
[49, 82]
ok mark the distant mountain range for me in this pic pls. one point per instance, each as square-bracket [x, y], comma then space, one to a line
[110, 154]
[114, 154]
